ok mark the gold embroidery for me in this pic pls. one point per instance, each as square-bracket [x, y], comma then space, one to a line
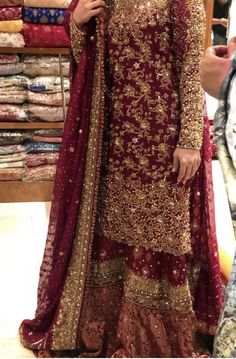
[65, 330]
[154, 216]
[156, 294]
[106, 272]
[189, 53]
[78, 40]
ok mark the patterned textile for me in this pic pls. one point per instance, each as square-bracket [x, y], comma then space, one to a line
[33, 160]
[12, 113]
[100, 295]
[9, 59]
[10, 69]
[46, 139]
[11, 26]
[225, 339]
[44, 113]
[49, 99]
[8, 81]
[230, 130]
[49, 132]
[45, 66]
[6, 150]
[12, 137]
[9, 3]
[10, 13]
[61, 4]
[45, 36]
[48, 84]
[14, 157]
[13, 95]
[12, 164]
[8, 39]
[43, 15]
[11, 174]
[37, 147]
[40, 173]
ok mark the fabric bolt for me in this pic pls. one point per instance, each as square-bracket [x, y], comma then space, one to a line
[49, 99]
[37, 147]
[11, 174]
[12, 137]
[44, 113]
[45, 36]
[14, 157]
[8, 39]
[10, 13]
[9, 3]
[60, 4]
[45, 68]
[11, 26]
[12, 113]
[43, 15]
[33, 160]
[145, 285]
[12, 149]
[9, 81]
[51, 132]
[12, 164]
[40, 173]
[48, 84]
[16, 96]
[9, 59]
[46, 139]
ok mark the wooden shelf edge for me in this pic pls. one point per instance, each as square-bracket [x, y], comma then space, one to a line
[20, 191]
[35, 50]
[30, 125]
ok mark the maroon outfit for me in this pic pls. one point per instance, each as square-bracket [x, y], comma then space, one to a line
[131, 265]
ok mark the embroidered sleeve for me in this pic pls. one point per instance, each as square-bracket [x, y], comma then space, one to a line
[78, 40]
[188, 20]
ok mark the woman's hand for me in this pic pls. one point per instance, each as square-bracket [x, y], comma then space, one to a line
[187, 162]
[86, 9]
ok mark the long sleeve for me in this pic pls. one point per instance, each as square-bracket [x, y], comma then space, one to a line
[188, 21]
[77, 37]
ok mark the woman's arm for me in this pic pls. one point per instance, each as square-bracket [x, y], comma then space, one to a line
[188, 19]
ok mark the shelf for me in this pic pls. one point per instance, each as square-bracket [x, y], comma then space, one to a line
[35, 50]
[29, 125]
[19, 191]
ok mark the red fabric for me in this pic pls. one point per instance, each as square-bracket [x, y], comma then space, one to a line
[45, 36]
[10, 13]
[33, 160]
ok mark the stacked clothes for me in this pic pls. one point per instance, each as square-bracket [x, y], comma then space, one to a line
[43, 23]
[42, 155]
[11, 24]
[12, 89]
[29, 156]
[12, 155]
[44, 95]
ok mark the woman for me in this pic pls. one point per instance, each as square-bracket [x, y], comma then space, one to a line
[131, 266]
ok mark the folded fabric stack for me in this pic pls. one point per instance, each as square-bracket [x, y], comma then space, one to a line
[44, 95]
[12, 155]
[42, 155]
[11, 24]
[43, 23]
[13, 91]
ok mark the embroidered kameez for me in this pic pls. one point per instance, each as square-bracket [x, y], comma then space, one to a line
[140, 273]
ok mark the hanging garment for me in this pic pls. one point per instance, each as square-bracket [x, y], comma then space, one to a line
[131, 266]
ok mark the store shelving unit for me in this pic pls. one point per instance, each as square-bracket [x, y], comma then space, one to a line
[20, 191]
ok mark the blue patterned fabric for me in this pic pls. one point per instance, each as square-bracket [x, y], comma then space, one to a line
[38, 147]
[43, 15]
